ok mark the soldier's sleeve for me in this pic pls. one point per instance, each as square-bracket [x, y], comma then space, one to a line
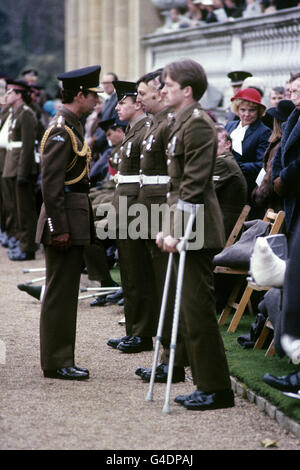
[55, 159]
[29, 132]
[199, 160]
[222, 172]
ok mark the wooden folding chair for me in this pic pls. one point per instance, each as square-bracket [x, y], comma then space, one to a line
[276, 220]
[262, 338]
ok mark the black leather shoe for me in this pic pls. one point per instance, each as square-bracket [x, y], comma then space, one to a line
[210, 401]
[161, 374]
[21, 255]
[285, 383]
[121, 302]
[99, 301]
[114, 342]
[180, 399]
[109, 283]
[12, 242]
[141, 370]
[82, 369]
[34, 291]
[115, 297]
[135, 344]
[67, 373]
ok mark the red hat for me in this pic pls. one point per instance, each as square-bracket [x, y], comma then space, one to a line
[249, 94]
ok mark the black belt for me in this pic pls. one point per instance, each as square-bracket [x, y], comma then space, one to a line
[77, 188]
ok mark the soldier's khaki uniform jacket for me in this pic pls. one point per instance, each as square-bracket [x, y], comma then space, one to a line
[231, 189]
[129, 161]
[65, 184]
[153, 163]
[192, 153]
[3, 117]
[20, 161]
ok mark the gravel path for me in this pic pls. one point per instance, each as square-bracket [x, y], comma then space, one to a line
[109, 411]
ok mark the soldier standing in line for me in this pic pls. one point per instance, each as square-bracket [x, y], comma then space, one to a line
[140, 303]
[192, 153]
[20, 173]
[153, 191]
[65, 224]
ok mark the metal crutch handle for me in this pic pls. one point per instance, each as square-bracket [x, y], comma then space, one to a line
[149, 396]
[182, 248]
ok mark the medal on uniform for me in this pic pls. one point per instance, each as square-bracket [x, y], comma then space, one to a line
[150, 141]
[173, 145]
[128, 149]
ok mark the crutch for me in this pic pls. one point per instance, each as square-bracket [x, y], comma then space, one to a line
[181, 248]
[98, 294]
[99, 289]
[37, 279]
[149, 396]
[33, 270]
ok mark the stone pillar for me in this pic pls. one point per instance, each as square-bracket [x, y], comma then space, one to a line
[83, 34]
[144, 19]
[94, 32]
[71, 34]
[121, 38]
[107, 36]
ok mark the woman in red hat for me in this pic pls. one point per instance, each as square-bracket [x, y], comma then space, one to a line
[249, 136]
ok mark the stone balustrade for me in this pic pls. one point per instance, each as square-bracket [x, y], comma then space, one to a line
[268, 46]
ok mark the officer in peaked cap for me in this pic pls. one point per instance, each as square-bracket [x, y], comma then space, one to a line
[135, 265]
[84, 79]
[237, 77]
[124, 89]
[65, 223]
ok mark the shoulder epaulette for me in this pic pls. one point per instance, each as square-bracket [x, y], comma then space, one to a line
[84, 152]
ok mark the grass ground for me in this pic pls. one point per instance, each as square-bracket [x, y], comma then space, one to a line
[248, 366]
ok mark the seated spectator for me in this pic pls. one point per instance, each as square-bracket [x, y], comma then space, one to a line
[276, 94]
[92, 122]
[270, 268]
[283, 4]
[212, 10]
[219, 10]
[232, 9]
[287, 95]
[177, 21]
[100, 169]
[230, 183]
[256, 83]
[264, 194]
[249, 136]
[268, 6]
[253, 8]
[194, 14]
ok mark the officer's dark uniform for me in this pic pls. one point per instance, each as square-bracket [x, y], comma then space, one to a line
[66, 209]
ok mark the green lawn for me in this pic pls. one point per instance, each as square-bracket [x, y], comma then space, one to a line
[248, 366]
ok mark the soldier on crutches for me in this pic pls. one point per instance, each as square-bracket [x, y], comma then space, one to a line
[181, 248]
[191, 157]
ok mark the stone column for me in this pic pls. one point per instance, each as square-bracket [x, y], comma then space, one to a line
[144, 19]
[83, 34]
[94, 32]
[71, 34]
[121, 38]
[107, 36]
